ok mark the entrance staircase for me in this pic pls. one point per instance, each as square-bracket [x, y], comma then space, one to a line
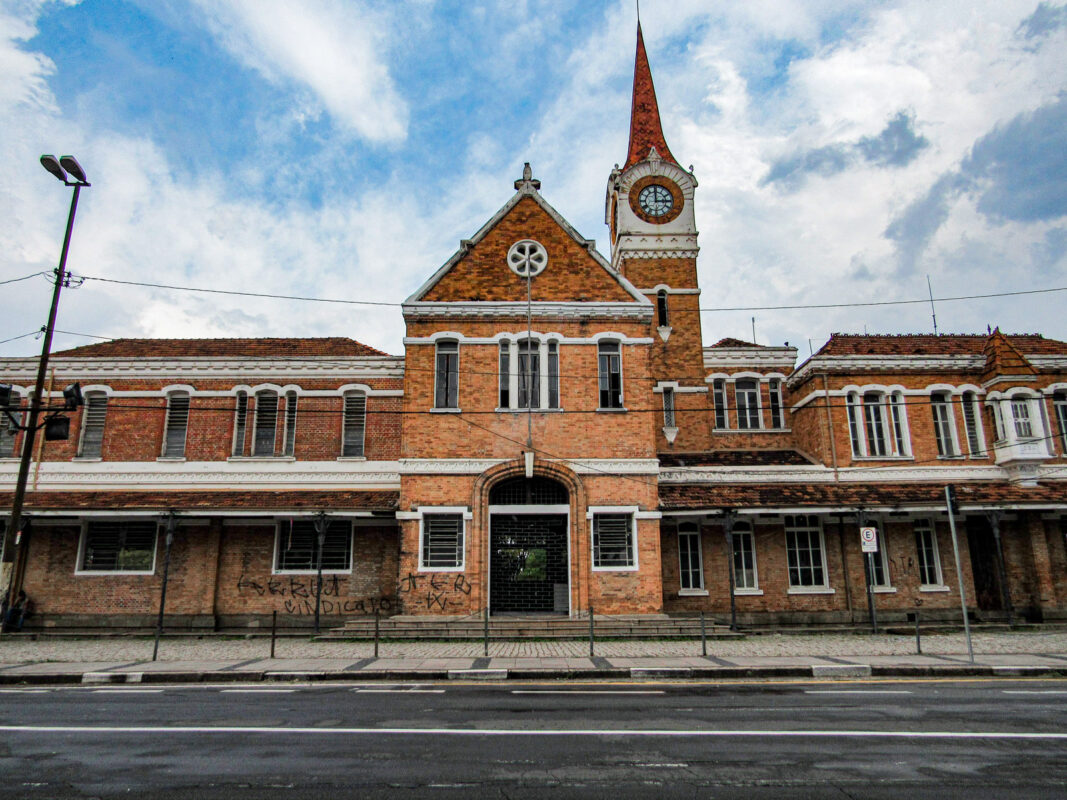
[504, 628]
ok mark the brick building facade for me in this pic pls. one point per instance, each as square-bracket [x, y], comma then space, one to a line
[556, 438]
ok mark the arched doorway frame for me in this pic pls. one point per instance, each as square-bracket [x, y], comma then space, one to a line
[578, 572]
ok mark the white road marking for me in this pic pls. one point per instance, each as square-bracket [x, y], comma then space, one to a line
[24, 691]
[532, 732]
[126, 691]
[856, 691]
[399, 691]
[1024, 691]
[258, 691]
[590, 691]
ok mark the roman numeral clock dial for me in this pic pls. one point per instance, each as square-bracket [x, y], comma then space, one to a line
[656, 199]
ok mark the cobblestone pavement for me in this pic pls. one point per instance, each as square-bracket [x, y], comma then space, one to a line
[16, 650]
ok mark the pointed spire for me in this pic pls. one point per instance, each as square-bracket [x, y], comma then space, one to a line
[1002, 358]
[646, 132]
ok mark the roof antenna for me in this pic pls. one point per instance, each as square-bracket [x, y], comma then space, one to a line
[753, 330]
[933, 311]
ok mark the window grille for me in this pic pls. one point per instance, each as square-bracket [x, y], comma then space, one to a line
[690, 562]
[528, 491]
[289, 447]
[746, 393]
[446, 384]
[95, 411]
[613, 541]
[610, 369]
[668, 407]
[119, 547]
[804, 551]
[298, 545]
[177, 425]
[355, 425]
[266, 428]
[240, 424]
[929, 558]
[442, 541]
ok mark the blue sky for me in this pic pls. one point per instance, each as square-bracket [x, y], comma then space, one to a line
[335, 148]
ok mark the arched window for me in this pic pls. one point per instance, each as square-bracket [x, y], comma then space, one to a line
[609, 363]
[266, 426]
[446, 374]
[240, 423]
[528, 491]
[877, 425]
[662, 316]
[289, 447]
[746, 395]
[177, 425]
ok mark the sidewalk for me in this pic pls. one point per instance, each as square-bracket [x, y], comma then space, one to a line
[214, 658]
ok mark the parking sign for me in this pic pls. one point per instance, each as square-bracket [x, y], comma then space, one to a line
[869, 540]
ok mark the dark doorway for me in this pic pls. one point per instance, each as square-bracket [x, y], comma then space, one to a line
[983, 548]
[528, 564]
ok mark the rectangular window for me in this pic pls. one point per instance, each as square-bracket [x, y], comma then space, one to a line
[880, 561]
[668, 407]
[529, 374]
[442, 541]
[998, 420]
[240, 424]
[874, 422]
[854, 426]
[718, 388]
[355, 425]
[929, 558]
[971, 420]
[1059, 403]
[691, 570]
[610, 372]
[177, 425]
[266, 427]
[504, 399]
[446, 383]
[553, 375]
[289, 447]
[613, 541]
[896, 414]
[943, 427]
[118, 547]
[92, 441]
[9, 431]
[1020, 411]
[776, 403]
[745, 577]
[804, 552]
[297, 547]
[746, 393]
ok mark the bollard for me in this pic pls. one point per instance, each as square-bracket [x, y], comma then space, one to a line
[377, 631]
[918, 641]
[703, 636]
[273, 631]
[591, 630]
[485, 632]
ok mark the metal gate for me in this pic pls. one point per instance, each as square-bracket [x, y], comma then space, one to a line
[528, 564]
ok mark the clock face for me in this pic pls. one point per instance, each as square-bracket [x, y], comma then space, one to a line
[655, 200]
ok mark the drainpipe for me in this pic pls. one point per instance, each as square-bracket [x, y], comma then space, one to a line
[728, 517]
[830, 425]
[994, 518]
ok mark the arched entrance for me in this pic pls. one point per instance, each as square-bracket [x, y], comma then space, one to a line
[529, 546]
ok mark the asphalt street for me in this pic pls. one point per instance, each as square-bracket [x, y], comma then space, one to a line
[915, 739]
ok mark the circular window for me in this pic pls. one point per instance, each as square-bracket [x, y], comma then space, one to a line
[527, 258]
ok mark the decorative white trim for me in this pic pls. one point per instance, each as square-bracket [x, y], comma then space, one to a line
[495, 339]
[818, 473]
[665, 288]
[692, 592]
[810, 590]
[756, 357]
[540, 310]
[420, 514]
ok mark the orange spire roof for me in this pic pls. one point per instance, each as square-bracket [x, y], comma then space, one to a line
[1002, 358]
[645, 129]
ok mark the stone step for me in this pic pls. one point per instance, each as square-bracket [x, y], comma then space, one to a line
[657, 627]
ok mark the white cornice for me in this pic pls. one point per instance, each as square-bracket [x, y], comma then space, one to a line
[285, 368]
[238, 474]
[894, 363]
[755, 357]
[822, 474]
[476, 466]
[503, 310]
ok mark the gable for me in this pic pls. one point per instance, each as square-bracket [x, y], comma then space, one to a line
[575, 272]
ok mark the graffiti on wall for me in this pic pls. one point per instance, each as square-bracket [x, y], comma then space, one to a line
[296, 594]
[436, 590]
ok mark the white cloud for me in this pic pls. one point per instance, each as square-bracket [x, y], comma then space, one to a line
[332, 48]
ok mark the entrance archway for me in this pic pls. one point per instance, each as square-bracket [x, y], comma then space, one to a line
[529, 547]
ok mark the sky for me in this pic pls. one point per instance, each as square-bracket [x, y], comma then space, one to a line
[846, 152]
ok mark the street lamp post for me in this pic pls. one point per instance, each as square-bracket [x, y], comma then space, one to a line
[68, 170]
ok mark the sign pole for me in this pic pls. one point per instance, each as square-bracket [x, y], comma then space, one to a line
[950, 501]
[869, 545]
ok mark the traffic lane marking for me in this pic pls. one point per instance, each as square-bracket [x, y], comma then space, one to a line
[588, 691]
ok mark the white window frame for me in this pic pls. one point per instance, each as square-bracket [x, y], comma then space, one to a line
[941, 410]
[892, 413]
[240, 424]
[431, 511]
[1059, 406]
[807, 527]
[83, 541]
[881, 560]
[721, 402]
[1007, 422]
[774, 393]
[292, 403]
[547, 377]
[927, 526]
[439, 403]
[741, 530]
[751, 393]
[591, 514]
[601, 373]
[275, 569]
[691, 530]
[169, 421]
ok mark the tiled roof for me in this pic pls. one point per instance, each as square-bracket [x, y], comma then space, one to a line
[646, 131]
[853, 344]
[681, 497]
[377, 500]
[730, 342]
[734, 458]
[1004, 358]
[222, 348]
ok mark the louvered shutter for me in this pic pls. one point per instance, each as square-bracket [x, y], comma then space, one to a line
[93, 426]
[355, 424]
[177, 426]
[266, 423]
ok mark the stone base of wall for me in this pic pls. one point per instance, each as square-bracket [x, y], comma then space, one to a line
[171, 622]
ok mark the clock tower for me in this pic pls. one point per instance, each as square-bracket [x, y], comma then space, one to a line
[649, 213]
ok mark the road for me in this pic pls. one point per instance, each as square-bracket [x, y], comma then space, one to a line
[915, 739]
